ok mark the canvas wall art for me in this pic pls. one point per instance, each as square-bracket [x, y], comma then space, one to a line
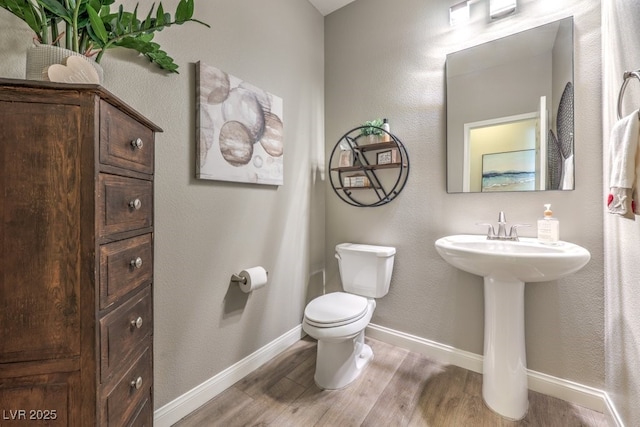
[240, 132]
[509, 171]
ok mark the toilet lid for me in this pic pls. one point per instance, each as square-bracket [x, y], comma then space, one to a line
[335, 309]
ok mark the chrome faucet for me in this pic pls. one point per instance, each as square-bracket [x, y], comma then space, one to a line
[502, 221]
[502, 229]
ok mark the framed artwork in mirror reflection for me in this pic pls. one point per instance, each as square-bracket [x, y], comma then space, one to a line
[509, 171]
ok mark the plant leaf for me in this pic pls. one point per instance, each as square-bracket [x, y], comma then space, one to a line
[57, 9]
[95, 4]
[94, 38]
[97, 25]
[134, 25]
[120, 27]
[167, 21]
[184, 12]
[160, 15]
[32, 20]
[147, 22]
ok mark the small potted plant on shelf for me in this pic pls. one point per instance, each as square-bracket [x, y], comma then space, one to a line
[371, 132]
[88, 28]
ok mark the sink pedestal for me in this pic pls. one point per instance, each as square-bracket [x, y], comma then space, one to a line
[506, 266]
[504, 382]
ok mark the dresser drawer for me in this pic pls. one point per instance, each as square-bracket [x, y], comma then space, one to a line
[124, 142]
[124, 331]
[124, 266]
[123, 204]
[144, 417]
[122, 401]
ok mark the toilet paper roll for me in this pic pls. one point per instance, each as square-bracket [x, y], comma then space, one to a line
[255, 277]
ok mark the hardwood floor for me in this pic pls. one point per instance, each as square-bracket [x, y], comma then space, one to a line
[398, 388]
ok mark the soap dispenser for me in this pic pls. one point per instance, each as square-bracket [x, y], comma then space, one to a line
[385, 135]
[548, 228]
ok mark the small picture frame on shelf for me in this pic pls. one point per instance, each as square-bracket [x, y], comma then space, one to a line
[387, 157]
[346, 158]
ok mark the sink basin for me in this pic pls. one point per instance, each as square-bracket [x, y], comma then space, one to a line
[506, 266]
[526, 260]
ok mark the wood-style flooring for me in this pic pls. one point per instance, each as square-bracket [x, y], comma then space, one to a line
[398, 388]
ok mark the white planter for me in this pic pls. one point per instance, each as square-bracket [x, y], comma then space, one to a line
[40, 57]
[369, 139]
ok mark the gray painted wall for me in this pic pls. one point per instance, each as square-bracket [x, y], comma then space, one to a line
[207, 230]
[386, 59]
[621, 19]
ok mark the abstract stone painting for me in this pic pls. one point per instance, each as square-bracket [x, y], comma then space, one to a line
[240, 135]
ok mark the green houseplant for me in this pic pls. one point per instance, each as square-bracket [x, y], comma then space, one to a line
[372, 127]
[90, 28]
[371, 131]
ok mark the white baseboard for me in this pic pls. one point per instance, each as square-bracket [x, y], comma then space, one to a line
[434, 350]
[569, 391]
[581, 395]
[182, 406]
[612, 414]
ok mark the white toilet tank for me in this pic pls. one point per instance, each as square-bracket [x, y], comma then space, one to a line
[365, 269]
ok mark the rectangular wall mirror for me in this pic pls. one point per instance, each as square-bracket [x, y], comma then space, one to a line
[510, 113]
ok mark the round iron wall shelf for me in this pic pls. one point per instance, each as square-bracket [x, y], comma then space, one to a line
[366, 170]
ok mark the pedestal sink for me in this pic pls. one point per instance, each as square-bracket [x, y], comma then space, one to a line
[506, 266]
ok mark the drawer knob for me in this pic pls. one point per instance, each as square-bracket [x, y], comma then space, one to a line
[136, 263]
[135, 204]
[137, 323]
[137, 383]
[137, 144]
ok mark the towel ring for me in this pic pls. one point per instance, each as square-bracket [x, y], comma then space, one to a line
[627, 76]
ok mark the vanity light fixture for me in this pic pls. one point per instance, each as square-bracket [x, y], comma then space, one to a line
[501, 8]
[459, 13]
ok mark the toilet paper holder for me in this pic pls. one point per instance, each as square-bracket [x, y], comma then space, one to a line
[236, 278]
[239, 279]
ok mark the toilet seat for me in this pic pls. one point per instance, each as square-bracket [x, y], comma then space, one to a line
[336, 309]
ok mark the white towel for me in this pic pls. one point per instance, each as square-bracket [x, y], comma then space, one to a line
[567, 173]
[623, 147]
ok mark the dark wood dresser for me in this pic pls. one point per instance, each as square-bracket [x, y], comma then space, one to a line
[76, 257]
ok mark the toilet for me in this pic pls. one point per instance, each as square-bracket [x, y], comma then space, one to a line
[338, 320]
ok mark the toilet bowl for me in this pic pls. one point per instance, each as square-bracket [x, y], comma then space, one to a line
[338, 320]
